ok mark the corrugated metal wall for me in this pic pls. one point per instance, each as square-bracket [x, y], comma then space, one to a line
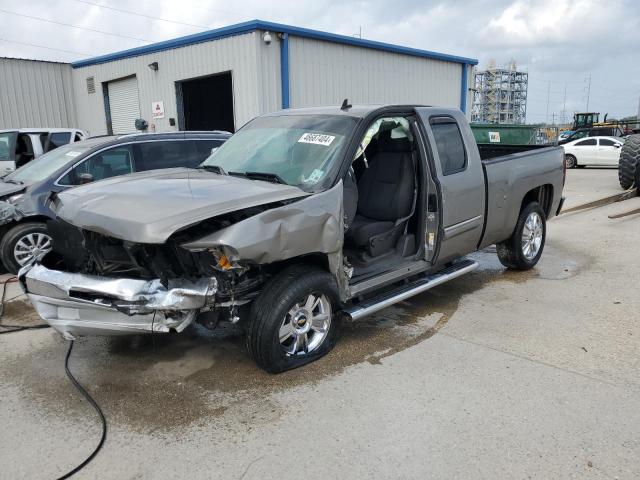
[238, 54]
[268, 61]
[35, 94]
[324, 73]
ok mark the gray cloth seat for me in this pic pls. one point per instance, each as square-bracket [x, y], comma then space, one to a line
[385, 196]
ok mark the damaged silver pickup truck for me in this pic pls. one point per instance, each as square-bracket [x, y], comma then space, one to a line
[303, 219]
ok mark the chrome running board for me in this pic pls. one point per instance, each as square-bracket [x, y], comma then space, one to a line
[398, 294]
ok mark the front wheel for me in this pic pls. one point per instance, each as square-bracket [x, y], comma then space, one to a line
[22, 243]
[523, 250]
[292, 321]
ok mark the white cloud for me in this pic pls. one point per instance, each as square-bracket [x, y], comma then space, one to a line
[558, 41]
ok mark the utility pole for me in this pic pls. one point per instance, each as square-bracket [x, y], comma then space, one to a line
[564, 105]
[546, 118]
[553, 118]
[588, 93]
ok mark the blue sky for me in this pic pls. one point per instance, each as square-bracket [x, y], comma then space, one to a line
[560, 43]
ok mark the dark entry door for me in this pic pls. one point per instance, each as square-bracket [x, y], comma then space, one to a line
[207, 103]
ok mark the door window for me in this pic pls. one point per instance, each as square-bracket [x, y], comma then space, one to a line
[587, 143]
[24, 150]
[110, 163]
[453, 156]
[605, 142]
[58, 139]
[6, 145]
[166, 154]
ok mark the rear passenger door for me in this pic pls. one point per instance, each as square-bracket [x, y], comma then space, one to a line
[160, 154]
[459, 171]
[608, 151]
[204, 148]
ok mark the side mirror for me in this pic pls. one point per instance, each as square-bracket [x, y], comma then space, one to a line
[85, 178]
[617, 145]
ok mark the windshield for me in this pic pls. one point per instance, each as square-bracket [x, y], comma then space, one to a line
[5, 145]
[43, 166]
[299, 150]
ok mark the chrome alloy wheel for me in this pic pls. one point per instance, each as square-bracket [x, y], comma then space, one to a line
[306, 325]
[532, 236]
[30, 246]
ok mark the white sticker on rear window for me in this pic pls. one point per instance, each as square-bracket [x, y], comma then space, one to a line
[72, 154]
[317, 139]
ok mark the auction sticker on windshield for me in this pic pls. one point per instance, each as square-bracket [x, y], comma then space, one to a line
[317, 139]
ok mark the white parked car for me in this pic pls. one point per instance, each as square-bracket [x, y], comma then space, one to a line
[20, 146]
[597, 151]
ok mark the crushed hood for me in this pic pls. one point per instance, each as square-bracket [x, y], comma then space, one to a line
[148, 207]
[7, 188]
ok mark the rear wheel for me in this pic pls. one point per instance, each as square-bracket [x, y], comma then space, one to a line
[629, 164]
[523, 250]
[22, 243]
[570, 161]
[292, 322]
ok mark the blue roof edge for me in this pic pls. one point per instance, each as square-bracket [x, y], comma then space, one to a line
[253, 25]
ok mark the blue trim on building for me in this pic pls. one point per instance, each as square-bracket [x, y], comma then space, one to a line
[463, 88]
[284, 69]
[254, 25]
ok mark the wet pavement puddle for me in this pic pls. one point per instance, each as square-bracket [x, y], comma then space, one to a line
[168, 381]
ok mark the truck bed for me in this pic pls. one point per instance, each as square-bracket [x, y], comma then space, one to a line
[490, 151]
[510, 177]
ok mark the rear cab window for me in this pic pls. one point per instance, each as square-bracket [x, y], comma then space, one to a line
[449, 143]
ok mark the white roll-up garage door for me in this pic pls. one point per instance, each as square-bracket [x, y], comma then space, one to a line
[124, 105]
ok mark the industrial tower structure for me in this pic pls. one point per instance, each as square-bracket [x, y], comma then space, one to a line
[500, 95]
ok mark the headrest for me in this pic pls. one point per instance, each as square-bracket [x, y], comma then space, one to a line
[388, 144]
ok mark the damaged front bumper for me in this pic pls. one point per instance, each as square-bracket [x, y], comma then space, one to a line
[77, 304]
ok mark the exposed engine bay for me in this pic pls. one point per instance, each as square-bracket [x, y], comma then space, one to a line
[209, 270]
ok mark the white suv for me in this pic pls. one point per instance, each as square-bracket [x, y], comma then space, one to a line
[20, 146]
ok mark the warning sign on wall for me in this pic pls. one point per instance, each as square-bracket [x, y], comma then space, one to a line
[157, 109]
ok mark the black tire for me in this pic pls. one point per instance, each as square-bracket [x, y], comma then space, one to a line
[269, 310]
[11, 238]
[570, 161]
[510, 252]
[629, 162]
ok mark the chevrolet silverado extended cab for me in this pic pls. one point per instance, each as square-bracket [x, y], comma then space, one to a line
[301, 220]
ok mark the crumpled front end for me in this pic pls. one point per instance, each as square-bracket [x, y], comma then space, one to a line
[77, 304]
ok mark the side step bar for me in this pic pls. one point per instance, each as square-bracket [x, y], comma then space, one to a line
[398, 294]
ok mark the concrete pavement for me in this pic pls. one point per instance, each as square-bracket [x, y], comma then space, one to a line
[495, 375]
[584, 185]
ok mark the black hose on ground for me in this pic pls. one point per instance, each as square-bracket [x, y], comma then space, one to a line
[96, 407]
[74, 381]
[14, 328]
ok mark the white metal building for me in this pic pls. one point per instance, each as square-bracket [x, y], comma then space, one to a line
[36, 94]
[222, 78]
